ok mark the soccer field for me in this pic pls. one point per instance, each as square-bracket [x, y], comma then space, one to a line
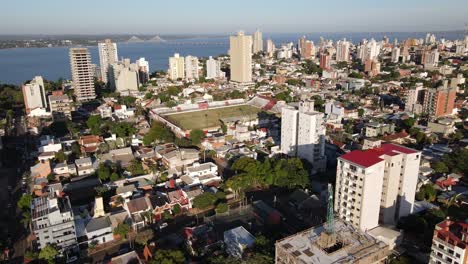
[210, 118]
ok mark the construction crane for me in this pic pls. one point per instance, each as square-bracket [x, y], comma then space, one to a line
[330, 214]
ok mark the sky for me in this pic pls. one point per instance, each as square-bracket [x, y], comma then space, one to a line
[223, 16]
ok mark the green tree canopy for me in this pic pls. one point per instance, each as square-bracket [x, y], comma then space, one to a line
[440, 167]
[48, 253]
[24, 203]
[122, 229]
[158, 133]
[94, 124]
[196, 135]
[167, 256]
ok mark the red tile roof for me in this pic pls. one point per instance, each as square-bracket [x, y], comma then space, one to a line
[373, 156]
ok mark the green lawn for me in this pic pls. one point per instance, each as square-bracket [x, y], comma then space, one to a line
[210, 118]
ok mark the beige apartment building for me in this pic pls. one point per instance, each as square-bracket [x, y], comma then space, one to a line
[241, 58]
[82, 74]
[176, 67]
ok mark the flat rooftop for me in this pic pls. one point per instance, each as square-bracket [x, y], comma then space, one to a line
[354, 246]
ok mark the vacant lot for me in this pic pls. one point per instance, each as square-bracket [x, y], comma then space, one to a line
[210, 118]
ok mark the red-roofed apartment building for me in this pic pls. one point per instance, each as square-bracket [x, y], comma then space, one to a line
[377, 185]
[449, 244]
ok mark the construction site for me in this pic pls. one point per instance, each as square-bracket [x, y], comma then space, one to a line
[335, 241]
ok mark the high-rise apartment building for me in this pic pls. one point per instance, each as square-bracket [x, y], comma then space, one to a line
[368, 50]
[376, 185]
[414, 99]
[430, 58]
[124, 76]
[107, 56]
[342, 50]
[191, 68]
[439, 101]
[325, 61]
[34, 94]
[270, 48]
[52, 221]
[241, 57]
[213, 69]
[82, 74]
[395, 54]
[303, 134]
[176, 67]
[257, 42]
[450, 243]
[143, 70]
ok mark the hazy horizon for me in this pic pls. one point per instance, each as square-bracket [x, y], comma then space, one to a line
[87, 17]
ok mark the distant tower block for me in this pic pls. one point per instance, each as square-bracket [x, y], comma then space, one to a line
[98, 208]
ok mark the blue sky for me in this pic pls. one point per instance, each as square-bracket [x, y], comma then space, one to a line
[222, 16]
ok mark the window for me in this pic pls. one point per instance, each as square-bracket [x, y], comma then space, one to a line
[441, 246]
[457, 255]
[451, 251]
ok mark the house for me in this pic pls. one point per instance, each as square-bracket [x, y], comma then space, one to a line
[443, 127]
[266, 214]
[51, 146]
[179, 197]
[122, 112]
[84, 166]
[160, 203]
[237, 240]
[42, 169]
[127, 258]
[125, 191]
[180, 158]
[46, 156]
[136, 208]
[90, 143]
[64, 169]
[206, 174]
[374, 129]
[105, 111]
[99, 230]
[123, 157]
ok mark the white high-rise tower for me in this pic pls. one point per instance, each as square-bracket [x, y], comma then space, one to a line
[257, 42]
[107, 56]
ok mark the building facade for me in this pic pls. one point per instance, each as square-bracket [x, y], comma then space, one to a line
[124, 76]
[82, 74]
[61, 105]
[213, 69]
[241, 57]
[107, 56]
[439, 101]
[376, 185]
[303, 134]
[52, 221]
[342, 50]
[257, 42]
[176, 67]
[143, 70]
[34, 94]
[191, 68]
[449, 244]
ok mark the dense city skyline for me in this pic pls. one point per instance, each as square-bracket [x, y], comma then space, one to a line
[29, 17]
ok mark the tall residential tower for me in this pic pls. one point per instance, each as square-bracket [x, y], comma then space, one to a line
[241, 58]
[82, 74]
[107, 56]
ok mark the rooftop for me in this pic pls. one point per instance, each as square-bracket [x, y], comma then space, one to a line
[355, 246]
[373, 156]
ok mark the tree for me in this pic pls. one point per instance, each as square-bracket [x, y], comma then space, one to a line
[440, 167]
[51, 177]
[24, 203]
[360, 112]
[196, 135]
[408, 123]
[76, 150]
[176, 209]
[103, 172]
[204, 200]
[158, 133]
[123, 129]
[167, 256]
[114, 176]
[221, 208]
[60, 156]
[142, 237]
[136, 168]
[122, 230]
[48, 253]
[94, 124]
[426, 192]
